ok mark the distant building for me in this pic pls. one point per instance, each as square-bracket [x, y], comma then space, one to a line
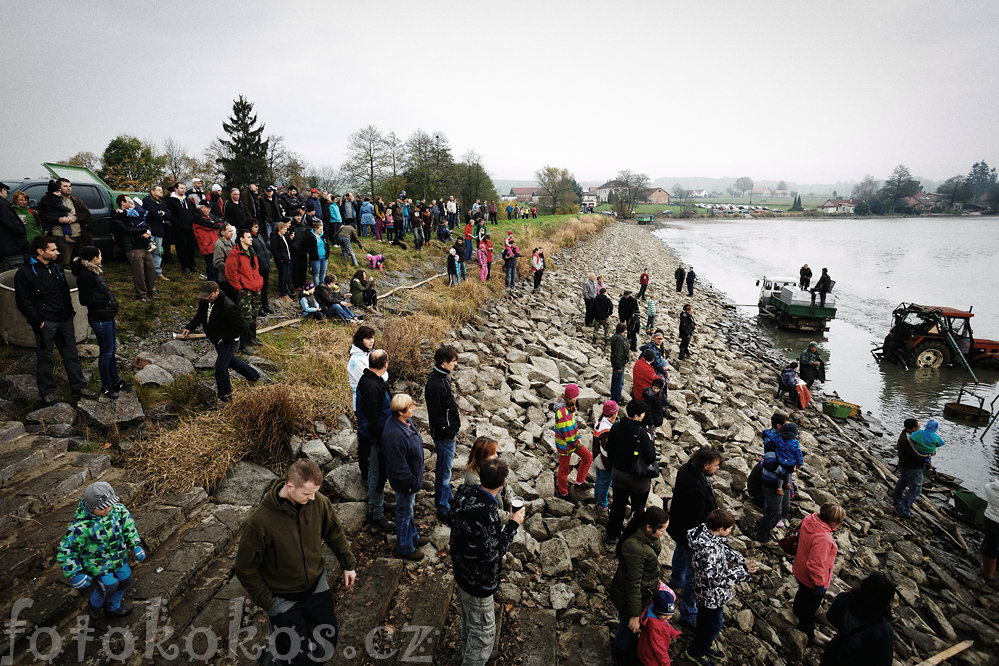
[837, 207]
[699, 194]
[604, 191]
[782, 194]
[920, 202]
[655, 195]
[523, 194]
[761, 192]
[590, 197]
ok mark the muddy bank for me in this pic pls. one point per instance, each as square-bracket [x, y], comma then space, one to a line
[520, 353]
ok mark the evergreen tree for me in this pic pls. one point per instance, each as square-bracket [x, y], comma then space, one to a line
[244, 154]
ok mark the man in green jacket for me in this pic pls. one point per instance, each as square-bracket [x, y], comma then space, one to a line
[280, 564]
[620, 356]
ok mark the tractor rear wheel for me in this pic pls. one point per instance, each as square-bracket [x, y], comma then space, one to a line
[931, 354]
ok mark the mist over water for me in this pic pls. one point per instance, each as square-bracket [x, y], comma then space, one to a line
[877, 264]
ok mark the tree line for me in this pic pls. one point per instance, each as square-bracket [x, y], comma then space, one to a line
[977, 188]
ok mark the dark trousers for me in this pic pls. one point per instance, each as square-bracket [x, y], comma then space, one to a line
[679, 285]
[684, 347]
[822, 297]
[804, 282]
[363, 452]
[537, 279]
[588, 309]
[211, 273]
[775, 507]
[633, 325]
[299, 268]
[184, 243]
[227, 289]
[227, 360]
[57, 334]
[709, 625]
[168, 240]
[266, 275]
[641, 292]
[284, 279]
[309, 618]
[806, 603]
[627, 489]
[690, 288]
[617, 384]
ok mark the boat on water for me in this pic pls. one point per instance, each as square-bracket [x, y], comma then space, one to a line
[782, 302]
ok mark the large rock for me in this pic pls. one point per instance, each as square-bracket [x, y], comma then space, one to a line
[352, 515]
[207, 361]
[153, 374]
[244, 485]
[179, 348]
[555, 558]
[587, 398]
[19, 388]
[583, 542]
[178, 366]
[316, 450]
[345, 482]
[561, 596]
[60, 412]
[123, 412]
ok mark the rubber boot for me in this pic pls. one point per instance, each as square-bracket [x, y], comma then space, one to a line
[254, 340]
[988, 567]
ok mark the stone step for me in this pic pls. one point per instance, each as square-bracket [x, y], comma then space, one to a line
[586, 645]
[46, 485]
[420, 615]
[362, 609]
[26, 452]
[10, 430]
[538, 631]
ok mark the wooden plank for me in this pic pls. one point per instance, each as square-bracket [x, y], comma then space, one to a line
[941, 657]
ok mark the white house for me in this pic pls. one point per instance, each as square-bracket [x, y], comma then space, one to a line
[604, 191]
[837, 207]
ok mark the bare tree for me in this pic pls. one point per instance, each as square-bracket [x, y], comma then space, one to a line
[627, 195]
[867, 189]
[744, 184]
[177, 160]
[326, 178]
[366, 157]
[680, 196]
[85, 159]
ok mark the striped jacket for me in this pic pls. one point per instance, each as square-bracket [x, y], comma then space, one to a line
[566, 430]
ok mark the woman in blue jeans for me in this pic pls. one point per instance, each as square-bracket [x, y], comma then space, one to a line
[102, 308]
[402, 446]
[319, 252]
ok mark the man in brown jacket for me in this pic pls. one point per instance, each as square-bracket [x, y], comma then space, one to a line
[59, 208]
[280, 564]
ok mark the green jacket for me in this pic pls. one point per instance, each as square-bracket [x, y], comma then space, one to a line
[281, 551]
[620, 351]
[96, 545]
[32, 228]
[637, 576]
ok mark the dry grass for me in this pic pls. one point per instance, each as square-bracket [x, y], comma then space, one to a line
[410, 342]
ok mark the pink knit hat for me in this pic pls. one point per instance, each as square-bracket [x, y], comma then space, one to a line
[571, 391]
[610, 408]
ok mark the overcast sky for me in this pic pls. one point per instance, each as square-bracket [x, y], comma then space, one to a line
[801, 91]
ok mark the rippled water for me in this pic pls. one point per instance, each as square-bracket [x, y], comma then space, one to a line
[877, 264]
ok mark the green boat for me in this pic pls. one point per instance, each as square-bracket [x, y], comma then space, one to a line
[971, 507]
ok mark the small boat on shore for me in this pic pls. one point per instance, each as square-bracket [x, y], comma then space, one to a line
[840, 409]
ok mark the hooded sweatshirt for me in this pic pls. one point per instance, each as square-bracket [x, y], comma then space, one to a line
[653, 642]
[816, 556]
[717, 568]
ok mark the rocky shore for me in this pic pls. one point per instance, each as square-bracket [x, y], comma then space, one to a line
[523, 350]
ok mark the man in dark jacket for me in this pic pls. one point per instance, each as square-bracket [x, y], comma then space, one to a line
[910, 472]
[680, 275]
[445, 421]
[13, 236]
[270, 211]
[280, 563]
[823, 286]
[693, 499]
[627, 311]
[183, 211]
[403, 449]
[223, 326]
[290, 201]
[804, 277]
[478, 542]
[233, 210]
[252, 201]
[601, 309]
[691, 276]
[373, 412]
[59, 208]
[687, 327]
[627, 441]
[42, 296]
[159, 220]
[620, 355]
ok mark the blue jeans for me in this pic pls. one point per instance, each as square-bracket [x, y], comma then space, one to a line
[510, 279]
[367, 228]
[341, 311]
[111, 588]
[601, 489]
[347, 250]
[442, 475]
[775, 507]
[910, 484]
[617, 384]
[211, 272]
[709, 625]
[405, 524]
[376, 482]
[682, 578]
[227, 360]
[318, 270]
[158, 255]
[107, 340]
[468, 249]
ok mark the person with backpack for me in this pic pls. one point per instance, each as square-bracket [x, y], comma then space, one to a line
[863, 618]
[632, 451]
[601, 456]
[787, 382]
[813, 565]
[781, 456]
[637, 577]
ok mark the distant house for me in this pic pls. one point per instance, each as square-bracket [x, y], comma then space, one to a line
[920, 202]
[523, 194]
[699, 194]
[655, 195]
[604, 191]
[782, 194]
[837, 207]
[590, 197]
[761, 192]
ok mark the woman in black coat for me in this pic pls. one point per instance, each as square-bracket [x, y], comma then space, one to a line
[102, 308]
[263, 252]
[863, 618]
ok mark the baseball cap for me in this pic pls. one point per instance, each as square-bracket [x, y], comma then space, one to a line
[99, 495]
[207, 289]
[271, 188]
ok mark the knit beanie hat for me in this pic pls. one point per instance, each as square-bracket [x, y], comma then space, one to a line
[610, 408]
[663, 602]
[99, 495]
[789, 431]
[931, 426]
[571, 391]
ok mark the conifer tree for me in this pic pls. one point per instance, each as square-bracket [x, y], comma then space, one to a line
[244, 155]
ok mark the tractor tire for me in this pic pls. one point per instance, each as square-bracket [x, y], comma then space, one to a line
[931, 354]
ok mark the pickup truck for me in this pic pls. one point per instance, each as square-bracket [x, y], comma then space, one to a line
[89, 188]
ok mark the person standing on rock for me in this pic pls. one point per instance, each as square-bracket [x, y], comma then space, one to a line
[479, 540]
[863, 618]
[538, 266]
[589, 295]
[403, 449]
[629, 444]
[716, 569]
[510, 254]
[636, 579]
[910, 472]
[360, 349]
[445, 422]
[223, 326]
[102, 308]
[601, 310]
[804, 277]
[627, 311]
[567, 442]
[687, 326]
[643, 284]
[280, 563]
[619, 357]
[693, 499]
[691, 276]
[42, 296]
[643, 374]
[373, 412]
[94, 553]
[812, 366]
[781, 456]
[680, 275]
[601, 456]
[242, 272]
[813, 565]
